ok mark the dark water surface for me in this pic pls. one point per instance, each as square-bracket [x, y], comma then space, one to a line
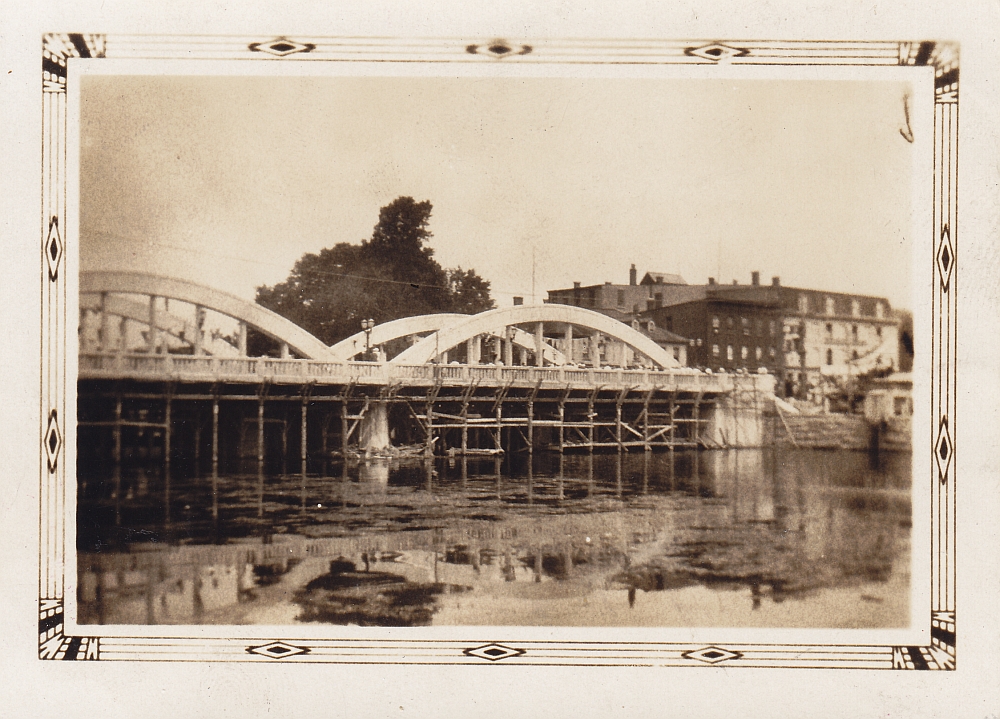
[715, 538]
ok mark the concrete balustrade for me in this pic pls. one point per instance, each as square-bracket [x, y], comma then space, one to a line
[253, 370]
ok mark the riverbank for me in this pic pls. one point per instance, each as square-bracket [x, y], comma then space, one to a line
[838, 431]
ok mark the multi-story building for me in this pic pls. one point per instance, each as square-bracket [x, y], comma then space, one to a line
[816, 342]
[832, 338]
[652, 291]
[729, 327]
[624, 303]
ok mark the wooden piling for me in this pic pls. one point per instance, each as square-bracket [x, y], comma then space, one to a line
[304, 436]
[166, 456]
[197, 445]
[260, 434]
[117, 433]
[215, 456]
[343, 428]
[531, 428]
[591, 415]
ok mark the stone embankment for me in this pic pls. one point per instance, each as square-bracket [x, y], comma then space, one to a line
[837, 431]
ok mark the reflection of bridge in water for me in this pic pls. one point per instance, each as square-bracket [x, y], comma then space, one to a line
[154, 380]
[745, 520]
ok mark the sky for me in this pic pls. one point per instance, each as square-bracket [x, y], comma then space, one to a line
[535, 182]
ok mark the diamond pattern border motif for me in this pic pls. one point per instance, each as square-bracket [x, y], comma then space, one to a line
[945, 257]
[712, 655]
[943, 450]
[53, 441]
[493, 652]
[53, 249]
[277, 650]
[716, 52]
[281, 47]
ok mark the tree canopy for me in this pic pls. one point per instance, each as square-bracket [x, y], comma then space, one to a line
[393, 274]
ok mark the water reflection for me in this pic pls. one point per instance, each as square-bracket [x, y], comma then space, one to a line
[634, 539]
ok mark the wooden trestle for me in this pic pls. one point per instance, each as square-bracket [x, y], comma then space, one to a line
[443, 420]
[498, 419]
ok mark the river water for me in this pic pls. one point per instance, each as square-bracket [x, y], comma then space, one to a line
[790, 538]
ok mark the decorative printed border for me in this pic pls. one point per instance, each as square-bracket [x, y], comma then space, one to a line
[56, 388]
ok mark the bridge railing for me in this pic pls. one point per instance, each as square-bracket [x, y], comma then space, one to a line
[194, 368]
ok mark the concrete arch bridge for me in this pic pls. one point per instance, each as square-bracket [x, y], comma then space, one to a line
[510, 379]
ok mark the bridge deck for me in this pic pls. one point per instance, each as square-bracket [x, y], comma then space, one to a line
[246, 370]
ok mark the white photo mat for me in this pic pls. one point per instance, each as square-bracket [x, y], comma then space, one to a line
[929, 644]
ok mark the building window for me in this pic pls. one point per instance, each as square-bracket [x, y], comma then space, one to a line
[879, 310]
[899, 406]
[650, 325]
[829, 329]
[772, 353]
[715, 350]
[746, 325]
[804, 304]
[743, 352]
[715, 325]
[771, 327]
[621, 298]
[854, 355]
[829, 357]
[830, 306]
[878, 331]
[677, 353]
[699, 341]
[729, 322]
[729, 352]
[855, 308]
[758, 353]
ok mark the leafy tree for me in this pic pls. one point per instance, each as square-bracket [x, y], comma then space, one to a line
[393, 274]
[470, 293]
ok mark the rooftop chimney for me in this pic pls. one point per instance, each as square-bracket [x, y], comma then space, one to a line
[576, 285]
[608, 284]
[776, 281]
[755, 278]
[711, 280]
[735, 282]
[632, 275]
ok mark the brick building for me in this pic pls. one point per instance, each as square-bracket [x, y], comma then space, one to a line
[815, 342]
[637, 296]
[624, 303]
[729, 327]
[832, 337]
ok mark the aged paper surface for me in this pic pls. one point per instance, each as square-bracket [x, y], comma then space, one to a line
[42, 688]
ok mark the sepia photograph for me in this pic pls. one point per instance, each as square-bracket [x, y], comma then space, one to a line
[354, 351]
[563, 349]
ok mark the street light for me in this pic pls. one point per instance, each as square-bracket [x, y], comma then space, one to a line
[367, 326]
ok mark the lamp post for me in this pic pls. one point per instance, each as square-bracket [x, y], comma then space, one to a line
[367, 326]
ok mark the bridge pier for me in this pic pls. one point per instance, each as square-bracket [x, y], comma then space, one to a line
[374, 428]
[738, 420]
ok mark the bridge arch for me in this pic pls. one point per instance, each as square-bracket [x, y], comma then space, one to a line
[269, 323]
[177, 327]
[422, 325]
[427, 349]
[393, 330]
